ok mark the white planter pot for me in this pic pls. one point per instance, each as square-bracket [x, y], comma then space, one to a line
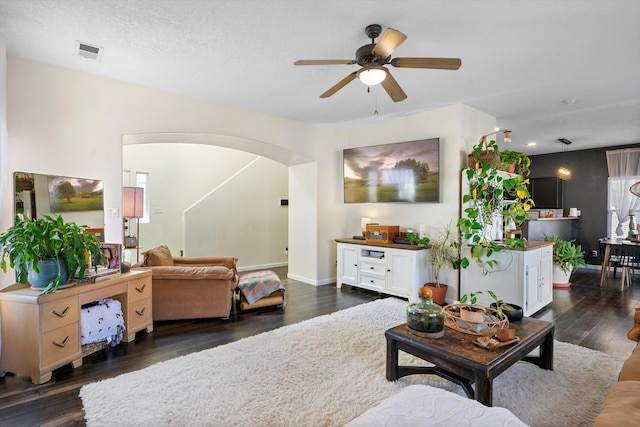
[559, 275]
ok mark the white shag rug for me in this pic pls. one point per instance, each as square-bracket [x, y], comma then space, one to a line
[326, 371]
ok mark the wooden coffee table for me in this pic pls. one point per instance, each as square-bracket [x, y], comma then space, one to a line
[456, 358]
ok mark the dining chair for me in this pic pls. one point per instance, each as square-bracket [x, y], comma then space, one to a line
[629, 261]
[614, 255]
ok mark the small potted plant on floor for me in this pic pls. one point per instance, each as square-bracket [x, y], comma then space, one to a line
[567, 257]
[47, 251]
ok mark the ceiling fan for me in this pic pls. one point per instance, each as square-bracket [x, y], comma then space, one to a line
[372, 58]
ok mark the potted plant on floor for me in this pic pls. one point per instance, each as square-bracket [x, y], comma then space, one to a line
[567, 257]
[47, 251]
[444, 252]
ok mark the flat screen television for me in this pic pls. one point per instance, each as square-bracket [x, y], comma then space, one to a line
[547, 192]
[401, 172]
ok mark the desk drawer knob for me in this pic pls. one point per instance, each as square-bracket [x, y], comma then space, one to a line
[140, 312]
[141, 289]
[63, 343]
[63, 313]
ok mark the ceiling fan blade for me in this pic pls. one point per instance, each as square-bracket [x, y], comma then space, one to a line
[342, 83]
[389, 41]
[324, 62]
[436, 63]
[393, 88]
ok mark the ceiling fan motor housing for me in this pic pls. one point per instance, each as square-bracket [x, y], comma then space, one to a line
[365, 56]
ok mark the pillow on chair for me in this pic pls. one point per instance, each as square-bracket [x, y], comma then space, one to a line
[158, 256]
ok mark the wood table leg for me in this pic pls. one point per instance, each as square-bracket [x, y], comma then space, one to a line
[484, 389]
[392, 359]
[605, 263]
[546, 352]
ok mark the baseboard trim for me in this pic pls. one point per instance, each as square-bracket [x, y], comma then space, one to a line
[262, 266]
[309, 281]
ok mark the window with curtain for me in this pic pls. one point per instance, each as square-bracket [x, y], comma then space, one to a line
[624, 171]
[614, 187]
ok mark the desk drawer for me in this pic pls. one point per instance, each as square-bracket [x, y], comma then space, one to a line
[139, 289]
[60, 343]
[139, 315]
[59, 313]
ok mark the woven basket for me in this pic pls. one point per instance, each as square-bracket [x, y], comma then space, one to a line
[488, 328]
[486, 156]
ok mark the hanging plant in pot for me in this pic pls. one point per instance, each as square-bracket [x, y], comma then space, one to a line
[444, 252]
[567, 257]
[47, 251]
[486, 209]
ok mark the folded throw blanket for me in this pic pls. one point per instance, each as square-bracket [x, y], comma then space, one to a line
[259, 284]
[102, 322]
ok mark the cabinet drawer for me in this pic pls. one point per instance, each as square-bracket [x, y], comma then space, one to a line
[372, 267]
[546, 252]
[60, 343]
[139, 314]
[372, 282]
[139, 289]
[59, 313]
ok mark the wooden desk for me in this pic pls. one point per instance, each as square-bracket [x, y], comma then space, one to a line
[41, 333]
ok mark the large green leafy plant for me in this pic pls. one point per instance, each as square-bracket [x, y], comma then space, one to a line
[28, 241]
[566, 254]
[485, 202]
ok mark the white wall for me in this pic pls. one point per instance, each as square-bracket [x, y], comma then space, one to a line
[75, 123]
[65, 122]
[459, 128]
[199, 206]
[243, 217]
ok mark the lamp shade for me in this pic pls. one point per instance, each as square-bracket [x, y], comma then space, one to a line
[132, 202]
[372, 75]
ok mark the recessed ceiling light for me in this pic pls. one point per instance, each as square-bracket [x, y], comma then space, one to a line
[531, 144]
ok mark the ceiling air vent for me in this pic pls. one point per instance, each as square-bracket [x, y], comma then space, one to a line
[88, 51]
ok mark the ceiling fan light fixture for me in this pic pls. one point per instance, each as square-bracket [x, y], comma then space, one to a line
[372, 75]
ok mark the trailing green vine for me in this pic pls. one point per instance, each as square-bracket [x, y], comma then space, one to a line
[492, 194]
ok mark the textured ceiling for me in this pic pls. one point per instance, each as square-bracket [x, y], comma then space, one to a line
[520, 59]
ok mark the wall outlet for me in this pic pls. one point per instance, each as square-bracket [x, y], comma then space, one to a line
[594, 254]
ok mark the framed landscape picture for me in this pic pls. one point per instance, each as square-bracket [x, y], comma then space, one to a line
[403, 172]
[74, 194]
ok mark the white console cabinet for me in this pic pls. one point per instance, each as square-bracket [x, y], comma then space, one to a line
[523, 277]
[398, 270]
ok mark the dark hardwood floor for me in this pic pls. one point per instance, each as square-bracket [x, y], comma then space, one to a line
[585, 314]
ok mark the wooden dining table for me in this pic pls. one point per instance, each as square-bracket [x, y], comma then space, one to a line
[614, 244]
